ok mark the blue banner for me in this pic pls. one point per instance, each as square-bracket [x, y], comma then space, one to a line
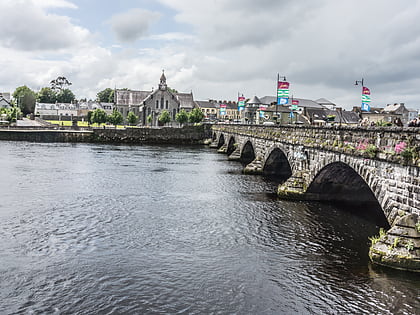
[365, 107]
[282, 100]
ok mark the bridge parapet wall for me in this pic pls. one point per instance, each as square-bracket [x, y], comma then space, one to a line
[395, 145]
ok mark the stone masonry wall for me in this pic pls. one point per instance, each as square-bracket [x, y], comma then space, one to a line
[380, 142]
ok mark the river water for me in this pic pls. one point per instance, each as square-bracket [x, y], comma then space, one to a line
[105, 229]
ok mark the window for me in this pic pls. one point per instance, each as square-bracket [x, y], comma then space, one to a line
[157, 104]
[161, 103]
[167, 104]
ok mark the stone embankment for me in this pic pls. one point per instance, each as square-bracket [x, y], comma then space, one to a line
[165, 135]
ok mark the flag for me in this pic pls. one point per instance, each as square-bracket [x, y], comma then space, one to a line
[222, 109]
[241, 103]
[283, 85]
[282, 100]
[365, 99]
[282, 92]
[365, 91]
[365, 107]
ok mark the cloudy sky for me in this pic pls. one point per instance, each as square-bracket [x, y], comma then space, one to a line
[216, 48]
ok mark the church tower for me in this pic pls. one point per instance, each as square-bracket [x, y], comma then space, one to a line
[162, 84]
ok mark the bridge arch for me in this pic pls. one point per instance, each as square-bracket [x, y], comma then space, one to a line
[338, 182]
[221, 140]
[276, 165]
[247, 153]
[231, 146]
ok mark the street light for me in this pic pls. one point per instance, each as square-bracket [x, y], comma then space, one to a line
[359, 81]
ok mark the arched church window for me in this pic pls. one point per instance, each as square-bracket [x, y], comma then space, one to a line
[167, 104]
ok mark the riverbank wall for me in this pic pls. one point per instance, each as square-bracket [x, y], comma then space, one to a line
[165, 135]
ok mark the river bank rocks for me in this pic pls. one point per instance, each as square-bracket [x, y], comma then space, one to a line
[399, 247]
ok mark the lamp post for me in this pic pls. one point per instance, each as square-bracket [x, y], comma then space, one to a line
[359, 81]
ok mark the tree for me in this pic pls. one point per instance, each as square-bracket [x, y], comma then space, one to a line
[11, 114]
[132, 118]
[182, 117]
[111, 97]
[104, 96]
[59, 83]
[89, 117]
[25, 99]
[99, 116]
[115, 118]
[65, 96]
[195, 116]
[46, 95]
[164, 117]
[149, 119]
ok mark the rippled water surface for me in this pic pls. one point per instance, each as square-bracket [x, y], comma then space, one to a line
[102, 229]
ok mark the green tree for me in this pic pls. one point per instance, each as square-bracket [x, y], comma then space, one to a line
[116, 117]
[196, 115]
[65, 96]
[25, 99]
[149, 119]
[46, 95]
[59, 83]
[164, 117]
[104, 96]
[132, 118]
[12, 114]
[89, 117]
[182, 117]
[111, 97]
[99, 116]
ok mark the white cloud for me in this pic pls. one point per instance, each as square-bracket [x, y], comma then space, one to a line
[222, 48]
[55, 4]
[132, 25]
[33, 29]
[172, 36]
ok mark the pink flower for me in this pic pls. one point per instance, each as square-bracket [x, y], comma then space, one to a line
[363, 145]
[399, 147]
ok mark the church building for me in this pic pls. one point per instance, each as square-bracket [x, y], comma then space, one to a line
[151, 103]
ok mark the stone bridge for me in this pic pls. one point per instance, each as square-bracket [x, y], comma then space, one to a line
[375, 170]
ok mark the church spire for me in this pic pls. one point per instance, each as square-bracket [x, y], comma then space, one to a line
[162, 84]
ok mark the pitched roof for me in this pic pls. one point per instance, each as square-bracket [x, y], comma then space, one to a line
[303, 102]
[186, 100]
[206, 104]
[324, 101]
[130, 97]
[254, 100]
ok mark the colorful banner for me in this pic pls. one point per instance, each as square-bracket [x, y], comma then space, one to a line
[241, 103]
[262, 111]
[282, 92]
[365, 99]
[295, 104]
[222, 109]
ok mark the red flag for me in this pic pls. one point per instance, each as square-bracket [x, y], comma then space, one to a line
[283, 85]
[295, 102]
[365, 91]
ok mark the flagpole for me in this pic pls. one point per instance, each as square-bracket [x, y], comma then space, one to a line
[277, 98]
